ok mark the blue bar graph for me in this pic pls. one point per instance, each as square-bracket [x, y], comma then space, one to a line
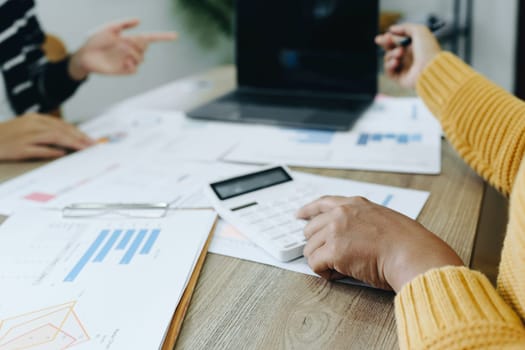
[86, 257]
[105, 244]
[377, 137]
[146, 249]
[416, 138]
[387, 200]
[107, 247]
[130, 253]
[125, 240]
[363, 140]
[402, 139]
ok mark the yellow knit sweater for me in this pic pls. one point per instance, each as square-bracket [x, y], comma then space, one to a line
[454, 307]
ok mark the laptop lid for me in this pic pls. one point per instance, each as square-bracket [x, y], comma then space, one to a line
[307, 47]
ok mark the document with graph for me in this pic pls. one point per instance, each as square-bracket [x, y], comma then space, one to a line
[397, 135]
[99, 283]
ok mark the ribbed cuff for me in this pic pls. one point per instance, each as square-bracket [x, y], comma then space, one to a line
[56, 84]
[454, 307]
[441, 79]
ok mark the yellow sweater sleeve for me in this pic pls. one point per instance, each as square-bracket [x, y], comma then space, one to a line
[454, 307]
[483, 122]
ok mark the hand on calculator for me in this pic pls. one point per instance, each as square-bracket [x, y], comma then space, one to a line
[351, 236]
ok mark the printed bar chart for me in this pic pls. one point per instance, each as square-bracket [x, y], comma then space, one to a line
[125, 240]
[401, 139]
[130, 253]
[107, 247]
[132, 243]
[150, 242]
[87, 256]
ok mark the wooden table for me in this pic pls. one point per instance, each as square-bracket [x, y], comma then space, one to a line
[244, 305]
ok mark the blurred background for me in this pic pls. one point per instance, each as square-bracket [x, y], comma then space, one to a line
[482, 31]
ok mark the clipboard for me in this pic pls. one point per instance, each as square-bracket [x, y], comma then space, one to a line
[184, 303]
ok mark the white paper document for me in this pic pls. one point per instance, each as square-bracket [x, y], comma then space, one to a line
[96, 176]
[111, 173]
[397, 135]
[228, 241]
[95, 283]
[171, 134]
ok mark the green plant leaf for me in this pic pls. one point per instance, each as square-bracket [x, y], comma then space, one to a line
[208, 20]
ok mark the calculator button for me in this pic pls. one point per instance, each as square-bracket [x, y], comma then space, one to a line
[281, 220]
[288, 227]
[276, 236]
[300, 237]
[265, 226]
[290, 209]
[296, 226]
[297, 231]
[257, 221]
[286, 242]
[290, 245]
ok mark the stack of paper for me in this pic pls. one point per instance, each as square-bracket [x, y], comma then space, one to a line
[95, 283]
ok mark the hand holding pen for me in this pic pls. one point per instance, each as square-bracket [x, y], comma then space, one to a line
[405, 59]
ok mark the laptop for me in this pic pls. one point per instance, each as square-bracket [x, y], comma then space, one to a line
[301, 63]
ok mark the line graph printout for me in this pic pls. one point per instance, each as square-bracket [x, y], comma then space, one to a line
[94, 283]
[55, 327]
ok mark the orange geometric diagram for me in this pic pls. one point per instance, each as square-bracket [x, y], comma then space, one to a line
[53, 328]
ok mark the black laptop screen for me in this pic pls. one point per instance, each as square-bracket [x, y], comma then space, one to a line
[318, 46]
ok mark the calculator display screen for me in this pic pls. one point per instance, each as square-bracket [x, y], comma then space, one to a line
[250, 183]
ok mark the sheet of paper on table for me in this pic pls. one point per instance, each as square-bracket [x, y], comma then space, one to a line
[98, 283]
[76, 180]
[228, 241]
[398, 135]
[170, 134]
[143, 157]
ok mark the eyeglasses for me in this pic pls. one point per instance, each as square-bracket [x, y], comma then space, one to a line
[133, 210]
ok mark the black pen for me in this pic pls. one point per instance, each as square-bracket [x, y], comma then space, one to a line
[433, 28]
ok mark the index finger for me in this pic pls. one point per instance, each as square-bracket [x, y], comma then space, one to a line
[320, 206]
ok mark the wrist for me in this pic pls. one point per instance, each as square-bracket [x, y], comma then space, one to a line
[76, 68]
[413, 261]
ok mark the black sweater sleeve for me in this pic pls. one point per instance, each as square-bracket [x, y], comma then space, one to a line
[55, 85]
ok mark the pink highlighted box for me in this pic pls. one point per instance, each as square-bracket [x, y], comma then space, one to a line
[40, 197]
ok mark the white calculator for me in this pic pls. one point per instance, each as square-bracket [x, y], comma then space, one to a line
[263, 205]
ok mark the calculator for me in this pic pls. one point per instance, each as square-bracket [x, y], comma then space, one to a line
[263, 205]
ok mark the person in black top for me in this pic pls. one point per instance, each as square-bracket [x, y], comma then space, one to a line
[34, 86]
